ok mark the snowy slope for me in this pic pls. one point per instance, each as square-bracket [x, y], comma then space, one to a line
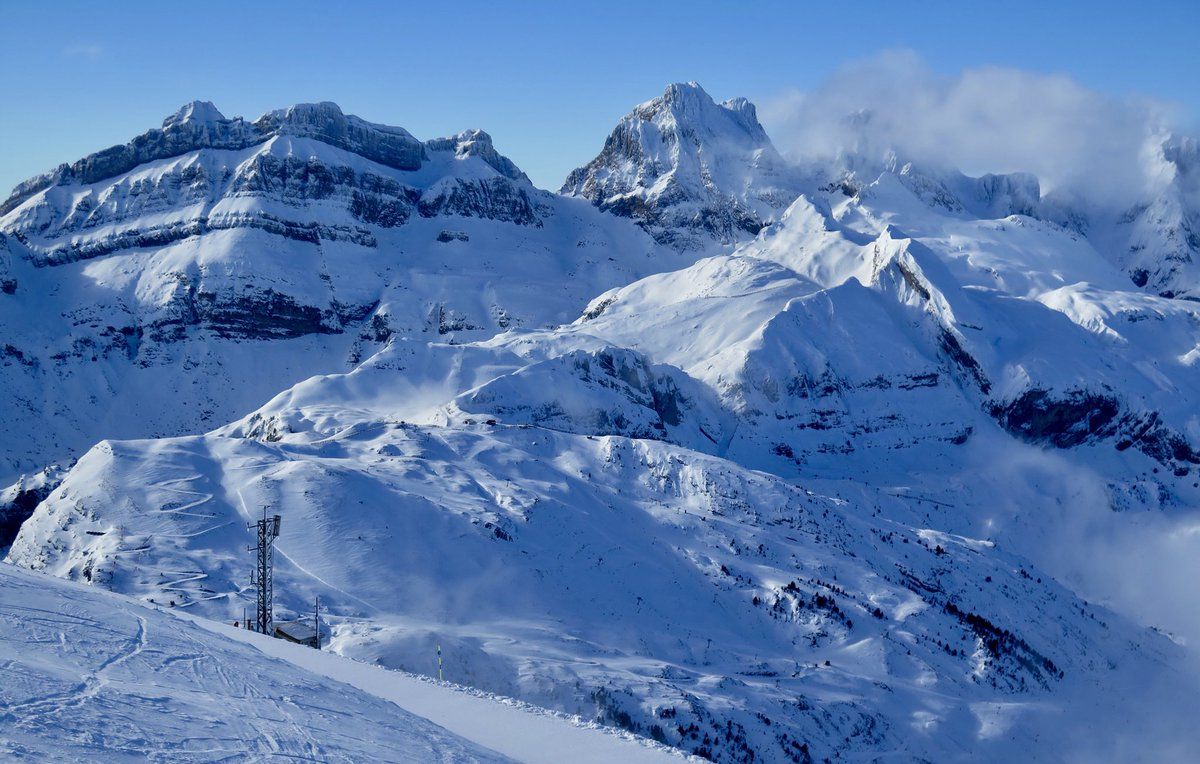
[628, 581]
[526, 733]
[214, 685]
[875, 322]
[99, 677]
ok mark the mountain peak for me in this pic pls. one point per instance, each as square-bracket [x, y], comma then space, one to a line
[689, 170]
[305, 113]
[200, 125]
[201, 112]
[691, 105]
[685, 92]
[477, 143]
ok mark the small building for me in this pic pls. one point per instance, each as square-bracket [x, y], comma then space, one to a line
[302, 632]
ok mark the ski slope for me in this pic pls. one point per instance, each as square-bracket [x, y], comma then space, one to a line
[524, 732]
[100, 677]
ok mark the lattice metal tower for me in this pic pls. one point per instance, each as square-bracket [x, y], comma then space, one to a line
[263, 577]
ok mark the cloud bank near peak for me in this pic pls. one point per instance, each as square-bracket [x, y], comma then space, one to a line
[1076, 140]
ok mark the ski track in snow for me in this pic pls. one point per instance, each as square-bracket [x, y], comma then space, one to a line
[502, 724]
[93, 683]
[176, 687]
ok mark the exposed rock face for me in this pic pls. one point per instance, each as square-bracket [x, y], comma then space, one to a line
[1063, 421]
[389, 146]
[199, 125]
[988, 196]
[689, 170]
[491, 198]
[196, 125]
[197, 192]
[207, 187]
[1080, 417]
[1010, 194]
[8, 279]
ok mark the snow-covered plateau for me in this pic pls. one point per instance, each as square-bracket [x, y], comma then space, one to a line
[763, 461]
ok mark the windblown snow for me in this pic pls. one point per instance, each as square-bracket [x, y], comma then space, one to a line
[758, 461]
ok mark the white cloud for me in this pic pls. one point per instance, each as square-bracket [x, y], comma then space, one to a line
[986, 119]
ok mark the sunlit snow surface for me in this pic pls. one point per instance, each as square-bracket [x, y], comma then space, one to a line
[87, 676]
[845, 488]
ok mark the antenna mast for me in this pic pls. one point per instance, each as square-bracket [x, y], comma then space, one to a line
[263, 577]
[317, 621]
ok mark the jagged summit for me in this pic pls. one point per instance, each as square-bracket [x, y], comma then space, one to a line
[204, 112]
[477, 143]
[1160, 238]
[682, 97]
[692, 106]
[689, 170]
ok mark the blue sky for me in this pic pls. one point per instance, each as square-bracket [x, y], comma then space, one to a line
[547, 80]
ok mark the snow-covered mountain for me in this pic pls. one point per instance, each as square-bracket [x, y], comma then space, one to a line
[689, 171]
[142, 284]
[764, 463]
[1153, 241]
[674, 593]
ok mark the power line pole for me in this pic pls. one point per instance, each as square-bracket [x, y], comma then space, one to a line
[263, 577]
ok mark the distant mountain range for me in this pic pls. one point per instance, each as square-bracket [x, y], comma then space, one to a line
[769, 462]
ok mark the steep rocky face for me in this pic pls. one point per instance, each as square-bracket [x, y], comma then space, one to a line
[279, 172]
[611, 391]
[478, 143]
[689, 170]
[389, 146]
[989, 196]
[8, 276]
[200, 125]
[213, 190]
